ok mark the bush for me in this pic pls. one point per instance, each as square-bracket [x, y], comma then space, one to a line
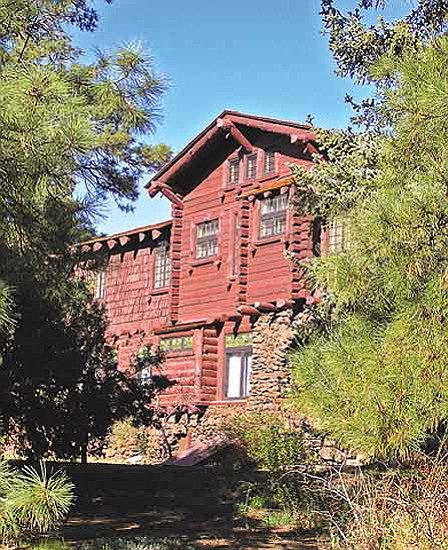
[126, 440]
[387, 510]
[31, 500]
[277, 447]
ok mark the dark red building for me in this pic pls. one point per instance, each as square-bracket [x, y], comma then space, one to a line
[197, 284]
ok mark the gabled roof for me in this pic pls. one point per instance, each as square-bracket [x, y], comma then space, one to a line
[230, 123]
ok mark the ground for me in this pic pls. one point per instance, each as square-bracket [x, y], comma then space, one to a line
[168, 502]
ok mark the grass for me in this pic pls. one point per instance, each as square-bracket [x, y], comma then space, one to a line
[144, 543]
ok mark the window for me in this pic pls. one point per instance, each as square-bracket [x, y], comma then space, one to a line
[238, 364]
[207, 239]
[234, 171]
[144, 375]
[273, 216]
[338, 235]
[177, 343]
[251, 166]
[100, 284]
[269, 162]
[162, 266]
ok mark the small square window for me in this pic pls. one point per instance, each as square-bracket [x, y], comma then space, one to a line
[234, 171]
[269, 162]
[162, 266]
[207, 239]
[144, 375]
[100, 284]
[273, 213]
[251, 167]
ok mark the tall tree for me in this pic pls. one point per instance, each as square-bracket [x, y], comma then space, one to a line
[73, 135]
[374, 371]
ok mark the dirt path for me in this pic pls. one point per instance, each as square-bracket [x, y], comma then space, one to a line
[197, 527]
[196, 505]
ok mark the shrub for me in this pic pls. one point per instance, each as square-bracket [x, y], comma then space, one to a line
[403, 509]
[32, 500]
[277, 447]
[126, 440]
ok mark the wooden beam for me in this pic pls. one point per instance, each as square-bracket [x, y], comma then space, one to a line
[283, 304]
[236, 133]
[265, 307]
[247, 310]
[300, 134]
[186, 156]
[171, 195]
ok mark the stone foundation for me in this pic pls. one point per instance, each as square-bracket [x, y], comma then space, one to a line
[270, 378]
[272, 338]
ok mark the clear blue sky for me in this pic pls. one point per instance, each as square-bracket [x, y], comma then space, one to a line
[255, 56]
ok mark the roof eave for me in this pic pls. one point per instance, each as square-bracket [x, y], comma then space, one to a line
[296, 131]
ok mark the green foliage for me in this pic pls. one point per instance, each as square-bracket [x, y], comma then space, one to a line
[276, 519]
[40, 500]
[74, 135]
[375, 374]
[276, 446]
[269, 441]
[64, 391]
[142, 543]
[358, 46]
[126, 440]
[32, 501]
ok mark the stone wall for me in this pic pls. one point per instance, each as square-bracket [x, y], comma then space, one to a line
[270, 378]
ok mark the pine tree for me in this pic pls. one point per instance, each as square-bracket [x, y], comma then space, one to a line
[73, 136]
[375, 371]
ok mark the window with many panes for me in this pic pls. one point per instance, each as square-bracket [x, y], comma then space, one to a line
[234, 171]
[162, 266]
[207, 239]
[273, 214]
[100, 284]
[269, 162]
[238, 368]
[176, 344]
[251, 166]
[338, 235]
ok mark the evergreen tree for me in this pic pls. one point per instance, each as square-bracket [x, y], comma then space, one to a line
[374, 372]
[72, 137]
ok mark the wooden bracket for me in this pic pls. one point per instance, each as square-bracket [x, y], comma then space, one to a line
[236, 133]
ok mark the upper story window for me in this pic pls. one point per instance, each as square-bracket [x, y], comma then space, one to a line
[273, 214]
[269, 162]
[338, 235]
[251, 166]
[162, 266]
[207, 239]
[100, 284]
[234, 171]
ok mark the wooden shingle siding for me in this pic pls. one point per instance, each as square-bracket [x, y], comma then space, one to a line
[211, 295]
